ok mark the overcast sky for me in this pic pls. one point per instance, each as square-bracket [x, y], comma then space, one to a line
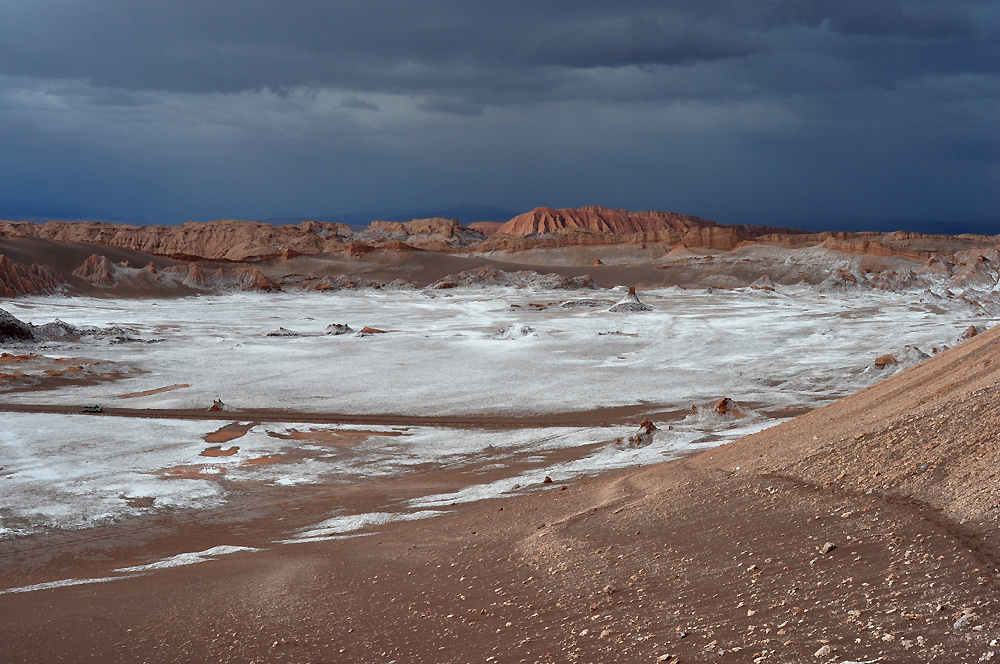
[788, 111]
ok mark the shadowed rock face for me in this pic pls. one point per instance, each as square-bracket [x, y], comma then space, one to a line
[14, 329]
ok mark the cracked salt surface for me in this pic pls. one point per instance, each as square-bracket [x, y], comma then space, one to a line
[799, 348]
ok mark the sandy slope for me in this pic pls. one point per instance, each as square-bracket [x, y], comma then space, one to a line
[718, 557]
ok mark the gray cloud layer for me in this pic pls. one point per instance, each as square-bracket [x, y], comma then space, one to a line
[781, 110]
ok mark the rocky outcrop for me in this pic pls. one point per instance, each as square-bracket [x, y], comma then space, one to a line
[715, 237]
[630, 303]
[600, 219]
[681, 250]
[283, 332]
[222, 240]
[225, 279]
[643, 437]
[14, 329]
[724, 408]
[871, 247]
[885, 360]
[354, 282]
[101, 272]
[433, 233]
[18, 280]
[491, 276]
[514, 331]
[970, 332]
[98, 270]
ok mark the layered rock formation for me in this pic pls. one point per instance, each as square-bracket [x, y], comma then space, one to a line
[18, 280]
[436, 233]
[600, 219]
[711, 237]
[225, 239]
[542, 228]
[234, 279]
[101, 272]
[247, 241]
[98, 270]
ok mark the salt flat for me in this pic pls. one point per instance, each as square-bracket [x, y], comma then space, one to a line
[441, 354]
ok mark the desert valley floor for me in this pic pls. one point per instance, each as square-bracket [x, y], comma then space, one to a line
[765, 454]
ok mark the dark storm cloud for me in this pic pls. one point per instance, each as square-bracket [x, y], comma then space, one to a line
[908, 20]
[472, 48]
[450, 105]
[741, 110]
[360, 104]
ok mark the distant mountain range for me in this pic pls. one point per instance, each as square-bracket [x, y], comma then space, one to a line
[24, 211]
[466, 214]
[929, 227]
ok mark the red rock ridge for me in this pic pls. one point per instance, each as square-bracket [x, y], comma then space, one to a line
[98, 270]
[17, 280]
[225, 239]
[599, 219]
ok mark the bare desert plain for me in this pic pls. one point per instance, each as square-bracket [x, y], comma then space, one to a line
[583, 435]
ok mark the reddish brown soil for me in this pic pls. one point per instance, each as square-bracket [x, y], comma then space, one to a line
[219, 452]
[38, 373]
[339, 438]
[159, 390]
[229, 432]
[595, 417]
